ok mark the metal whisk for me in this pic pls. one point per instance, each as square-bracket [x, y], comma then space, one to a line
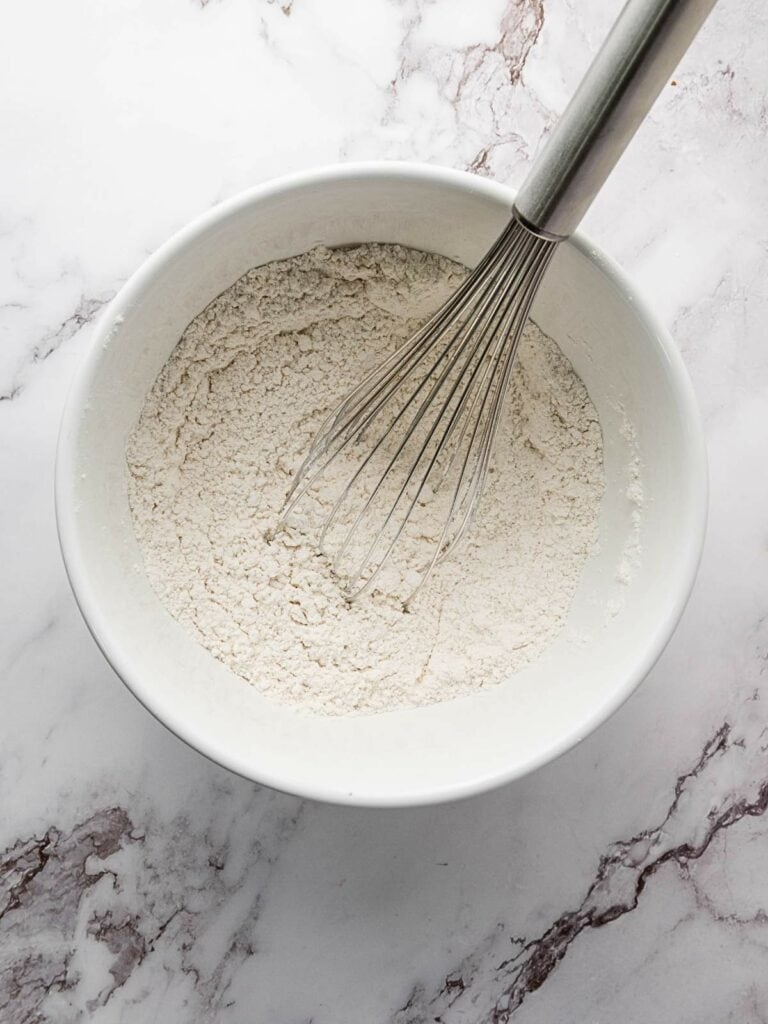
[400, 465]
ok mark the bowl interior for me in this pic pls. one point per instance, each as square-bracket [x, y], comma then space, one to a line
[615, 630]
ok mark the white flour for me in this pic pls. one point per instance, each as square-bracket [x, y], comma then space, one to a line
[227, 423]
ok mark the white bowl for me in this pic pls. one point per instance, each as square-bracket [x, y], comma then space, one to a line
[631, 369]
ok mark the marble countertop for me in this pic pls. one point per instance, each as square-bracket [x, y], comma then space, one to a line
[628, 881]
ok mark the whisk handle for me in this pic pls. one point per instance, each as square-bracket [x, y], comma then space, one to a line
[630, 69]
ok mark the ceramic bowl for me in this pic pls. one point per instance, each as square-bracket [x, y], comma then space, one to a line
[616, 630]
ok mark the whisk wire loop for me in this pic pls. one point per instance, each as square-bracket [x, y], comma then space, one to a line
[491, 340]
[372, 394]
[432, 409]
[493, 293]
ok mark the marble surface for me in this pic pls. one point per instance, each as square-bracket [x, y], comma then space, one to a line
[138, 882]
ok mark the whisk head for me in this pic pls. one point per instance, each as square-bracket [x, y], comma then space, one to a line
[394, 475]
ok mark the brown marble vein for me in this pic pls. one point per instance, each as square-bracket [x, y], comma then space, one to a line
[688, 829]
[84, 313]
[42, 882]
[153, 898]
[478, 81]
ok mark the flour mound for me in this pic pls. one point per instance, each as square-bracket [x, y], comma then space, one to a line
[225, 427]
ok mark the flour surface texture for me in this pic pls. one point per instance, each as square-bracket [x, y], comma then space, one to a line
[228, 422]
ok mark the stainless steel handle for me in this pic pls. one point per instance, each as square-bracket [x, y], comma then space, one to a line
[628, 73]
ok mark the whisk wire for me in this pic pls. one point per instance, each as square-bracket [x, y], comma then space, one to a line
[442, 392]
[514, 330]
[493, 293]
[491, 333]
[506, 335]
[401, 362]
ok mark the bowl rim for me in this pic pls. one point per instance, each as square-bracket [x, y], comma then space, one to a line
[99, 625]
